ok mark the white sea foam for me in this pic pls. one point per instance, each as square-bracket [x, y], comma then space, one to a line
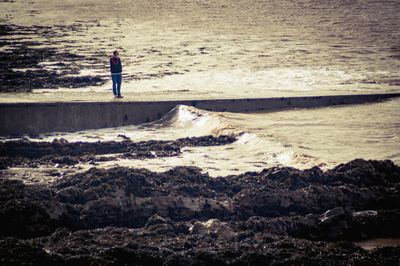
[299, 138]
[193, 121]
[251, 151]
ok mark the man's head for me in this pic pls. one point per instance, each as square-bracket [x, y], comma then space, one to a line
[115, 53]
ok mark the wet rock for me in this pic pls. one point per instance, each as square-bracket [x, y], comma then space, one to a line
[121, 246]
[24, 219]
[15, 252]
[160, 225]
[299, 226]
[365, 214]
[333, 224]
[63, 160]
[22, 70]
[212, 227]
[331, 215]
[103, 216]
[374, 224]
[365, 173]
[72, 195]
[62, 152]
[124, 137]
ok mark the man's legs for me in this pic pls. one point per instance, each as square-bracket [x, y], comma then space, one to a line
[119, 81]
[114, 84]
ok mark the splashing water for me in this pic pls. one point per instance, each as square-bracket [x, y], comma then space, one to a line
[300, 138]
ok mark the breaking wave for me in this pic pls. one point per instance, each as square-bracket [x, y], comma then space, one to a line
[254, 150]
[195, 122]
[263, 149]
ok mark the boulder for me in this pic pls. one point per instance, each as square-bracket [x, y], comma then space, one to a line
[160, 225]
[213, 227]
[333, 224]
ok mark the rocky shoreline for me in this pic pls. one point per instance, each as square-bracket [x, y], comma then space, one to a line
[50, 57]
[30, 60]
[27, 153]
[120, 216]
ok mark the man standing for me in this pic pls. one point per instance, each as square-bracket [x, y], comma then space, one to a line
[116, 74]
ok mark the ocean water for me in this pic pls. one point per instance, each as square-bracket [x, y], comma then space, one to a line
[235, 49]
[300, 138]
[226, 48]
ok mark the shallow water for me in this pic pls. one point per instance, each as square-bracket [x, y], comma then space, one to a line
[234, 48]
[300, 138]
[371, 244]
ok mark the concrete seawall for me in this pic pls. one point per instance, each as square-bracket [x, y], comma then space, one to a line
[34, 118]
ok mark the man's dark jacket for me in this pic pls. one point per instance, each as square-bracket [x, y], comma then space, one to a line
[115, 65]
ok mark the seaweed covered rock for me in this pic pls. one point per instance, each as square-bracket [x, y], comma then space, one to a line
[160, 225]
[182, 216]
[60, 151]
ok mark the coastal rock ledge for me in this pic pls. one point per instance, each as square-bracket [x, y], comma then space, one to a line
[280, 216]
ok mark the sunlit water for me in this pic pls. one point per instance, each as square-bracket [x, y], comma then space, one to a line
[371, 244]
[237, 48]
[230, 48]
[300, 138]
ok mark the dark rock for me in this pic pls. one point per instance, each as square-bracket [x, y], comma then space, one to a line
[118, 215]
[60, 151]
[25, 219]
[366, 173]
[212, 227]
[25, 55]
[333, 224]
[160, 225]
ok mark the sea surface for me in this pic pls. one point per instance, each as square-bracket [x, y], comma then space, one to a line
[225, 48]
[236, 49]
[300, 138]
